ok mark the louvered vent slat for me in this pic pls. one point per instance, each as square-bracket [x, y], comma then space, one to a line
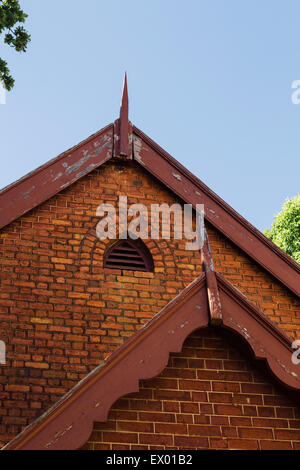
[129, 255]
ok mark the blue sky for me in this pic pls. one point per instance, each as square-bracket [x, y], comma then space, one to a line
[209, 81]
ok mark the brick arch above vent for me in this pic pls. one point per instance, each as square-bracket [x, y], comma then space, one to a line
[166, 255]
[129, 254]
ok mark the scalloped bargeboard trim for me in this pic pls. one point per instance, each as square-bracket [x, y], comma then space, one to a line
[68, 424]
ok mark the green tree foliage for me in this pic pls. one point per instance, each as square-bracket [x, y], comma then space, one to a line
[285, 229]
[11, 15]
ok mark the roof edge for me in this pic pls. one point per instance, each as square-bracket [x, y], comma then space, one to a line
[216, 197]
[54, 159]
[254, 311]
[55, 175]
[217, 212]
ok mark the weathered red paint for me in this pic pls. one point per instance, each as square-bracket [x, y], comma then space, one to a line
[117, 131]
[56, 175]
[214, 301]
[225, 219]
[266, 340]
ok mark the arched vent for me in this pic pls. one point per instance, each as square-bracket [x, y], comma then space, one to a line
[130, 255]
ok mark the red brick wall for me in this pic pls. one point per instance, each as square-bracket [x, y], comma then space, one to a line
[61, 313]
[210, 396]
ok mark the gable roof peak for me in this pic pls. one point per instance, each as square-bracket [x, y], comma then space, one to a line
[61, 172]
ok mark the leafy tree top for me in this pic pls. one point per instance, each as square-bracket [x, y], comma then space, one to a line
[285, 229]
[11, 15]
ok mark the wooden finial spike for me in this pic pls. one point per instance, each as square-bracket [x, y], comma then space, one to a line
[124, 120]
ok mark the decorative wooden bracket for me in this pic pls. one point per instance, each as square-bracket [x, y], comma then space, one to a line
[123, 128]
[215, 307]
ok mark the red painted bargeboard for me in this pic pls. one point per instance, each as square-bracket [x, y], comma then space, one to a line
[58, 174]
[225, 219]
[265, 338]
